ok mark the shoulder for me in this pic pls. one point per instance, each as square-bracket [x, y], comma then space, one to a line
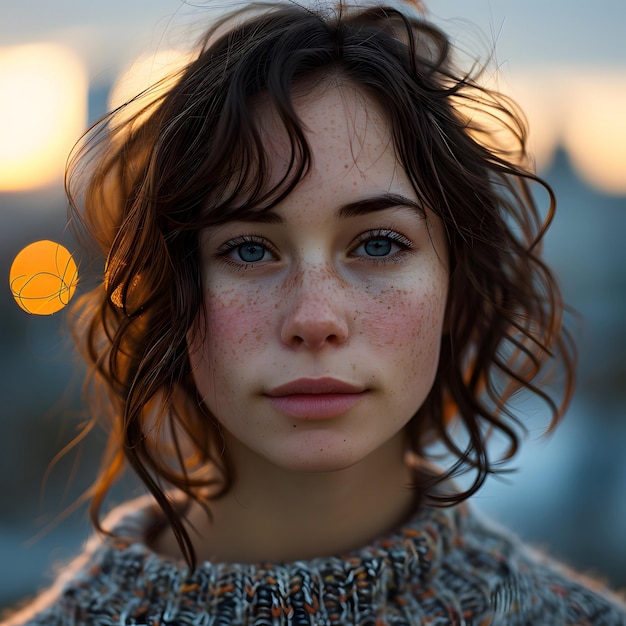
[526, 586]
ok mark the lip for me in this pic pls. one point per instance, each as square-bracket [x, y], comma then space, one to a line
[314, 386]
[315, 398]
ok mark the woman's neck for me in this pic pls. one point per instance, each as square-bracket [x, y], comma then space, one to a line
[275, 515]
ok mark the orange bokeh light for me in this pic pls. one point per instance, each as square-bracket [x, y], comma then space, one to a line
[43, 277]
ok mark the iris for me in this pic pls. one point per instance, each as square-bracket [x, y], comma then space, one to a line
[378, 247]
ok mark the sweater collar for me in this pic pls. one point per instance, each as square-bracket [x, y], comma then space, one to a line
[413, 552]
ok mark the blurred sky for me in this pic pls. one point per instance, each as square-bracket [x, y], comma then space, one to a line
[563, 61]
[533, 31]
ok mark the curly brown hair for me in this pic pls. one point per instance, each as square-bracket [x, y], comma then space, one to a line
[192, 157]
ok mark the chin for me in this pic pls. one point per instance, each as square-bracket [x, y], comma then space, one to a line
[325, 451]
[318, 466]
[320, 463]
[321, 456]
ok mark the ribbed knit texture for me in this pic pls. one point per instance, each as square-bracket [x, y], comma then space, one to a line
[444, 567]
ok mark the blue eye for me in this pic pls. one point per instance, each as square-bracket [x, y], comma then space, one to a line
[251, 252]
[377, 247]
[247, 250]
[381, 244]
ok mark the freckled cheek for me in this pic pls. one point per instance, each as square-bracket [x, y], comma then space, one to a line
[236, 324]
[404, 338]
[404, 320]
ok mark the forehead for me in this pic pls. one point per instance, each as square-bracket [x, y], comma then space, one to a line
[345, 129]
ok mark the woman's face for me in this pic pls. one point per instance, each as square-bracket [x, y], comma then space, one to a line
[323, 320]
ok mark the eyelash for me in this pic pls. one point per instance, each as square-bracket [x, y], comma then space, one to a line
[388, 234]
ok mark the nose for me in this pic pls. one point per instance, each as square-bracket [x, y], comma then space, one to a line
[315, 313]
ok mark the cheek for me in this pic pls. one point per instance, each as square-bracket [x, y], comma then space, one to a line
[235, 324]
[403, 331]
[406, 320]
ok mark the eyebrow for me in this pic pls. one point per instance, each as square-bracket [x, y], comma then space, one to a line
[351, 209]
[378, 203]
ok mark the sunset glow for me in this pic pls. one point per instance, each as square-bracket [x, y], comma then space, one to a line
[582, 110]
[540, 98]
[595, 129]
[43, 110]
[152, 72]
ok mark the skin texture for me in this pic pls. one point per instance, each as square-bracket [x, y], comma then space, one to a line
[357, 298]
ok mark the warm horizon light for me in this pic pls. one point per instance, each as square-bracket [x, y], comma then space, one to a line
[595, 129]
[539, 97]
[43, 110]
[582, 110]
[150, 73]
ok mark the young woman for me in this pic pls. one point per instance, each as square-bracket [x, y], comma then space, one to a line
[319, 263]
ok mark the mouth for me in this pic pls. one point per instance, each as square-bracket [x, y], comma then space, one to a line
[314, 386]
[315, 398]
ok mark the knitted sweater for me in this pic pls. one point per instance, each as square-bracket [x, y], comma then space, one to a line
[443, 567]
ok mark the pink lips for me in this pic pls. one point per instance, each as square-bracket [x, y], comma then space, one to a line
[315, 398]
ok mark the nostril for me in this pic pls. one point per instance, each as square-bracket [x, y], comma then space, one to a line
[314, 340]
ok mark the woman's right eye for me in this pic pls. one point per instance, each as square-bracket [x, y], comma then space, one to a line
[247, 250]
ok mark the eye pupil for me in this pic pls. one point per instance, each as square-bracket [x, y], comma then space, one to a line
[251, 252]
[378, 247]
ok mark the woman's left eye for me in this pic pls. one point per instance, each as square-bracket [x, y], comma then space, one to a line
[380, 244]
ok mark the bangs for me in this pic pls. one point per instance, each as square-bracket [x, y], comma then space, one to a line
[209, 163]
